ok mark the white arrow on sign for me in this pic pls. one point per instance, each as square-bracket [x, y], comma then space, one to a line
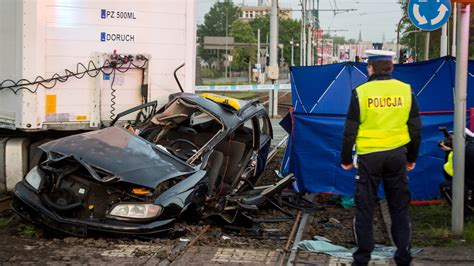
[416, 12]
[442, 12]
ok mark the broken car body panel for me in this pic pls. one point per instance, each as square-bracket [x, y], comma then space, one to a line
[190, 154]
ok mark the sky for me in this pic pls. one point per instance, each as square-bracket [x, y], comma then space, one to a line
[373, 18]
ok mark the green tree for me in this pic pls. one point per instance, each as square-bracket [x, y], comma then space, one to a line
[220, 16]
[288, 29]
[243, 56]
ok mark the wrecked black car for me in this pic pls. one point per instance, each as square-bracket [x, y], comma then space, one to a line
[188, 158]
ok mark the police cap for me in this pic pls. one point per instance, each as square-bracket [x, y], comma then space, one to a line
[373, 55]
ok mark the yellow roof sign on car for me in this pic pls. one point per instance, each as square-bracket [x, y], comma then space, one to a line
[231, 102]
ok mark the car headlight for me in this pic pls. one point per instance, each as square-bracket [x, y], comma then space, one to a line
[136, 210]
[34, 178]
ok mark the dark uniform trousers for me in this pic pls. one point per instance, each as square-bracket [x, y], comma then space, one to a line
[389, 166]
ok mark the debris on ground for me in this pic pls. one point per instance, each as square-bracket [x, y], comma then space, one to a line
[380, 252]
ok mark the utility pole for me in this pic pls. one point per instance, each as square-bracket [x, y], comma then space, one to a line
[260, 74]
[274, 37]
[317, 26]
[322, 50]
[427, 45]
[303, 26]
[273, 70]
[444, 40]
[303, 34]
[258, 46]
[292, 52]
[457, 216]
[309, 44]
[226, 44]
[314, 34]
[416, 47]
[455, 22]
[398, 40]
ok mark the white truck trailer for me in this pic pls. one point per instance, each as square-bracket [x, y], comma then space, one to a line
[41, 38]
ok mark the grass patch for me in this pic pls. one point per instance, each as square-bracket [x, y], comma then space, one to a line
[26, 230]
[469, 232]
[280, 153]
[432, 227]
[4, 222]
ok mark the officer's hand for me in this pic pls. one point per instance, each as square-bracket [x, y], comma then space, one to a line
[347, 167]
[410, 166]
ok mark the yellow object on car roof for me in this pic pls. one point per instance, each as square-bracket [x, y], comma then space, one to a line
[231, 102]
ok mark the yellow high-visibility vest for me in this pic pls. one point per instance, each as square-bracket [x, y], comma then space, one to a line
[448, 166]
[384, 111]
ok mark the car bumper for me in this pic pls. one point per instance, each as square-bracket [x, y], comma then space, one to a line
[28, 205]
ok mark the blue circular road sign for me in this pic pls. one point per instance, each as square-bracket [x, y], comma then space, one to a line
[429, 15]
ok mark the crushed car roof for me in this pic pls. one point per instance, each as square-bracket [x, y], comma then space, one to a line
[229, 117]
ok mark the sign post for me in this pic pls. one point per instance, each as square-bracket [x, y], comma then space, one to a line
[457, 214]
[431, 15]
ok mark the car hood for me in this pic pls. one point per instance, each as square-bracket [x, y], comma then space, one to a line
[123, 154]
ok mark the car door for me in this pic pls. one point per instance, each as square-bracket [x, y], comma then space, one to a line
[264, 134]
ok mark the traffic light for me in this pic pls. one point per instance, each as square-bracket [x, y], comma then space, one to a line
[403, 56]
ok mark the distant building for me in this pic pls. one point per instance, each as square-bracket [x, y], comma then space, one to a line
[349, 52]
[248, 13]
[325, 49]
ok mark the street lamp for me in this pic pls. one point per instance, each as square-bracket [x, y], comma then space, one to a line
[226, 43]
[292, 42]
[398, 39]
[281, 54]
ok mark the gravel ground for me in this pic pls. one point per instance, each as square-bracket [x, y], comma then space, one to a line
[20, 237]
[336, 223]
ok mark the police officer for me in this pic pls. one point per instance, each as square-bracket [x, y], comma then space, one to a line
[446, 186]
[384, 124]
